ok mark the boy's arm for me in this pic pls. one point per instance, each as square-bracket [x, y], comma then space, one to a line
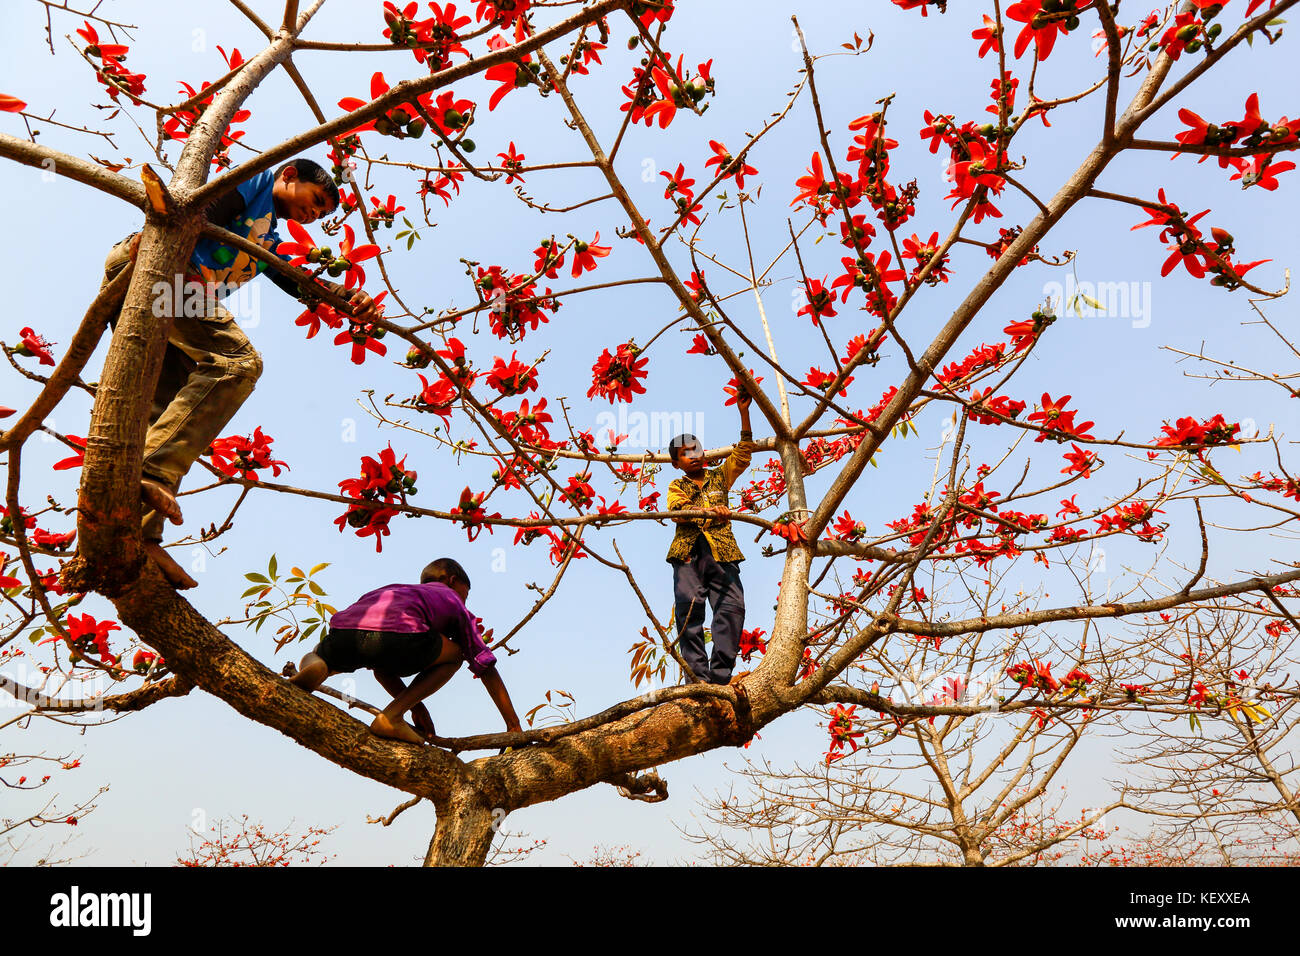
[226, 208]
[679, 499]
[743, 450]
[496, 689]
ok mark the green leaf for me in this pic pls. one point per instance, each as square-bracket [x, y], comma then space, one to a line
[271, 568]
[259, 578]
[316, 589]
[253, 590]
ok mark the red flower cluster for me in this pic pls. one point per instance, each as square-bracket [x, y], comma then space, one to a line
[751, 642]
[514, 378]
[182, 121]
[1188, 433]
[1034, 674]
[984, 357]
[516, 305]
[922, 252]
[88, 637]
[405, 120]
[618, 377]
[115, 77]
[1252, 130]
[240, 457]
[432, 40]
[384, 482]
[1079, 460]
[346, 264]
[679, 190]
[728, 165]
[1134, 518]
[847, 529]
[841, 731]
[1058, 422]
[663, 93]
[437, 397]
[1190, 249]
[578, 492]
[471, 513]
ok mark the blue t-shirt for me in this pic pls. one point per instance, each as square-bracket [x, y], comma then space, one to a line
[230, 268]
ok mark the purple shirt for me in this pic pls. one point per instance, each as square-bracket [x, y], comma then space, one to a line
[416, 609]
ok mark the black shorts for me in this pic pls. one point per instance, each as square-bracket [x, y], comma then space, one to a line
[346, 649]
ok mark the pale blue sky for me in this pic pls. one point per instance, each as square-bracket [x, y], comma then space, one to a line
[196, 756]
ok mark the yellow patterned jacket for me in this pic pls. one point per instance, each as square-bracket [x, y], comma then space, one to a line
[684, 493]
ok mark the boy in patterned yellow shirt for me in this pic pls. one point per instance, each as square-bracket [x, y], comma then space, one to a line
[704, 554]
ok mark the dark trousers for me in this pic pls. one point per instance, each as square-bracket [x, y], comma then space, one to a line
[695, 581]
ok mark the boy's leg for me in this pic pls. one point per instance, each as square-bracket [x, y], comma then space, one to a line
[225, 367]
[395, 686]
[389, 722]
[311, 672]
[727, 598]
[690, 596]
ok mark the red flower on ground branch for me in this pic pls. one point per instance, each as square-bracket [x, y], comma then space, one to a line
[241, 457]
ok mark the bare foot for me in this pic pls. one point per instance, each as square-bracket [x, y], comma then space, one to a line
[160, 498]
[172, 571]
[382, 726]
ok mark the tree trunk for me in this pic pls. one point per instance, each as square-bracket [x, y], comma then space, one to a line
[466, 826]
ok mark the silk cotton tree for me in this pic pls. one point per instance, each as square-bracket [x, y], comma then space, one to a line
[889, 246]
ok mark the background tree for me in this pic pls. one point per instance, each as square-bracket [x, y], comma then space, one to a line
[852, 194]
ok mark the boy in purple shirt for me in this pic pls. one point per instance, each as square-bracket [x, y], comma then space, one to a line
[403, 629]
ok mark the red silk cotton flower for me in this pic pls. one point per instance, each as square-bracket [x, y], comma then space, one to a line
[242, 457]
[617, 377]
[35, 346]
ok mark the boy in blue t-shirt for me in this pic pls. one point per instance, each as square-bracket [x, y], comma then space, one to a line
[210, 367]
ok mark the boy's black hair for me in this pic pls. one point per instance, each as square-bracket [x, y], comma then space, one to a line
[678, 443]
[310, 171]
[444, 571]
